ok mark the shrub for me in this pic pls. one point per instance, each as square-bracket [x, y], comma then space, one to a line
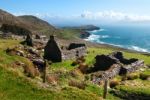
[132, 76]
[1, 59]
[124, 78]
[78, 61]
[37, 72]
[74, 63]
[75, 73]
[11, 52]
[87, 77]
[80, 85]
[113, 83]
[83, 67]
[52, 79]
[82, 59]
[30, 70]
[144, 76]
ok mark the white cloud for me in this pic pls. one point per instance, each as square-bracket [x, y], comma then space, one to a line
[40, 15]
[105, 16]
[114, 16]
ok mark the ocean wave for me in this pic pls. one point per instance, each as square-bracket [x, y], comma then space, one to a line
[102, 30]
[104, 36]
[93, 37]
[138, 49]
[96, 38]
[95, 31]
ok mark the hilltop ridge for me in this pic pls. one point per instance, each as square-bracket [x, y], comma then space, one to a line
[32, 23]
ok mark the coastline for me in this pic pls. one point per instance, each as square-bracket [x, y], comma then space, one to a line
[115, 46]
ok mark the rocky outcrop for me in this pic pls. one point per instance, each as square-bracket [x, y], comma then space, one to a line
[83, 30]
[84, 34]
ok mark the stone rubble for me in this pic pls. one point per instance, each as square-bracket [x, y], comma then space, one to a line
[116, 68]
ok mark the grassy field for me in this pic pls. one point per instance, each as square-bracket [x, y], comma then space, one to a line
[14, 85]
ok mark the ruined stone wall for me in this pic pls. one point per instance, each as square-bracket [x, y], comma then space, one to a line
[117, 69]
[109, 74]
[133, 67]
[74, 53]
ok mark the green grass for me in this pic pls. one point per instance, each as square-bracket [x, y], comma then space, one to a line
[14, 86]
[69, 34]
[98, 51]
[135, 90]
[98, 90]
[65, 64]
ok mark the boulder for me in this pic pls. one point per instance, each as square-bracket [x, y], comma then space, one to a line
[39, 63]
[20, 53]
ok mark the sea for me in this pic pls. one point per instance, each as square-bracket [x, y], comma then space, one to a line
[129, 37]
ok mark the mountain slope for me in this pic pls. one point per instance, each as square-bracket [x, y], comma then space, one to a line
[40, 25]
[33, 24]
[7, 18]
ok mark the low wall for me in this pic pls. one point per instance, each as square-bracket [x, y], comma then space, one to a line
[109, 74]
[133, 67]
[74, 53]
[117, 69]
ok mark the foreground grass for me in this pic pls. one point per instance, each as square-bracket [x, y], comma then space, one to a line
[13, 87]
[16, 87]
[98, 51]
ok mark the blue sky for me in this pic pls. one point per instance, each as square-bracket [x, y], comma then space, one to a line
[81, 10]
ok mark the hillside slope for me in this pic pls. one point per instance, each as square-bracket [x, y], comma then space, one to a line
[40, 26]
[36, 25]
[33, 24]
[14, 85]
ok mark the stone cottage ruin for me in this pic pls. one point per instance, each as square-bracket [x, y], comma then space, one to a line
[29, 40]
[54, 53]
[109, 66]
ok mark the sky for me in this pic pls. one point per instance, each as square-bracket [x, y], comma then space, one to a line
[82, 11]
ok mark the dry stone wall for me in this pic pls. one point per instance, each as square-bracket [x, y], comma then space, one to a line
[132, 67]
[109, 74]
[74, 53]
[117, 69]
